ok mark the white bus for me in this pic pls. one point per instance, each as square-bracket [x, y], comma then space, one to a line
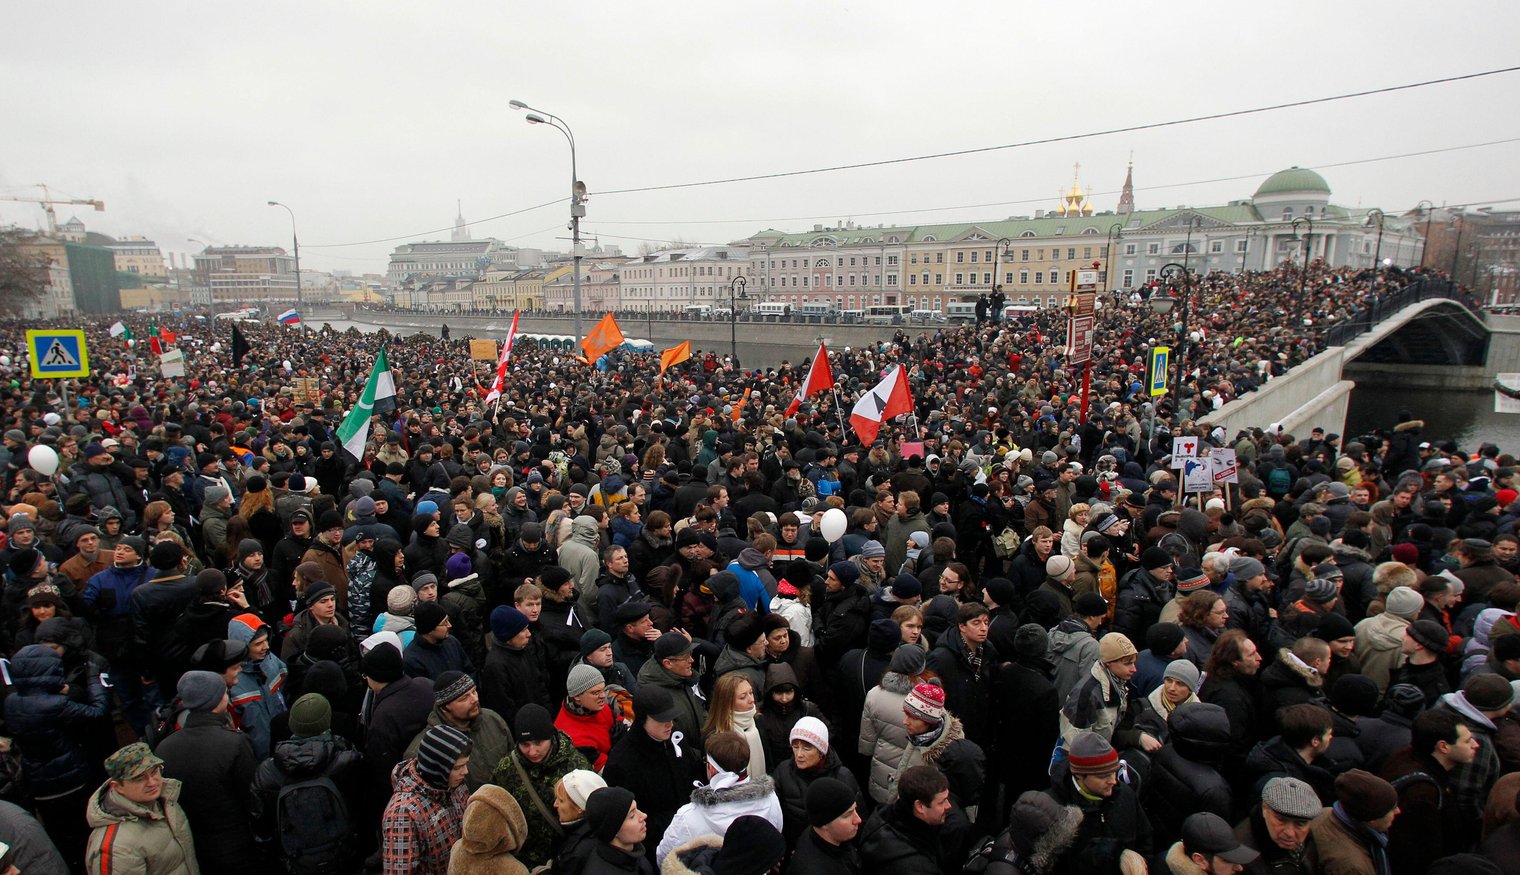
[696, 311]
[771, 309]
[815, 308]
[961, 311]
[887, 313]
[926, 316]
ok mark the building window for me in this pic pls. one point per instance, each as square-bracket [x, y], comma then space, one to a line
[1039, 277]
[913, 259]
[1008, 278]
[986, 279]
[912, 279]
[960, 279]
[1153, 249]
[1129, 279]
[1023, 277]
[1071, 254]
[891, 261]
[988, 256]
[1242, 245]
[1023, 255]
[939, 279]
[939, 258]
[1150, 274]
[1087, 252]
[973, 258]
[926, 277]
[960, 258]
[1216, 245]
[1287, 214]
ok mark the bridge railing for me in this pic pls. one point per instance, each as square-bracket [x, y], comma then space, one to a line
[1385, 307]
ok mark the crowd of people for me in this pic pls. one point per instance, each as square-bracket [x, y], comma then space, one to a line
[625, 622]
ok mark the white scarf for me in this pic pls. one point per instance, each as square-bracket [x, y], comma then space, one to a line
[744, 724]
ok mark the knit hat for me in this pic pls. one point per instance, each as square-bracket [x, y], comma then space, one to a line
[310, 716]
[1058, 566]
[247, 547]
[812, 731]
[606, 809]
[1321, 590]
[201, 690]
[506, 622]
[908, 660]
[579, 784]
[1333, 627]
[1404, 602]
[847, 572]
[1364, 796]
[906, 587]
[751, 846]
[1115, 646]
[1405, 700]
[926, 702]
[319, 590]
[827, 800]
[1088, 604]
[401, 600]
[427, 616]
[532, 723]
[441, 746]
[137, 545]
[424, 579]
[1155, 557]
[166, 555]
[459, 565]
[1031, 641]
[873, 550]
[1002, 590]
[1355, 695]
[582, 678]
[1406, 553]
[1162, 639]
[667, 646]
[382, 664]
[1488, 692]
[1091, 754]
[1245, 568]
[450, 685]
[216, 495]
[1191, 579]
[1291, 797]
[1184, 671]
[1428, 634]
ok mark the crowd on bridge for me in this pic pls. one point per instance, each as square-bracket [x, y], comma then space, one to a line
[624, 621]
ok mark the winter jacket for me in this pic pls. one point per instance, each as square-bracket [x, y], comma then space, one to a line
[155, 607]
[1024, 744]
[562, 759]
[214, 765]
[1471, 782]
[1073, 649]
[426, 659]
[895, 841]
[1118, 819]
[756, 585]
[490, 740]
[659, 774]
[846, 615]
[109, 593]
[814, 856]
[258, 695]
[513, 678]
[1378, 643]
[1237, 696]
[394, 717]
[883, 737]
[466, 603]
[494, 828]
[792, 785]
[578, 555]
[1141, 598]
[967, 682]
[1274, 759]
[47, 726]
[1101, 704]
[1252, 832]
[1185, 776]
[1341, 851]
[799, 618]
[958, 758]
[717, 804]
[421, 824]
[303, 759]
[1287, 681]
[129, 838]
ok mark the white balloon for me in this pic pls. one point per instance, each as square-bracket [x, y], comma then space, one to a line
[833, 524]
[216, 347]
[5, 360]
[43, 459]
[286, 363]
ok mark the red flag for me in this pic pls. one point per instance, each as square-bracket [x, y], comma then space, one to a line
[167, 335]
[820, 378]
[501, 366]
[155, 345]
[887, 399]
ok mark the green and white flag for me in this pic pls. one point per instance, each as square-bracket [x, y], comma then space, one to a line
[379, 390]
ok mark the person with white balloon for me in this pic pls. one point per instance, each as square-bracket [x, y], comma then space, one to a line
[43, 459]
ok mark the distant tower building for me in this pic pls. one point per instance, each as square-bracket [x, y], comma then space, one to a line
[1075, 203]
[461, 230]
[1127, 196]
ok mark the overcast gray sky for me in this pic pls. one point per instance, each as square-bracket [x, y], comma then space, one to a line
[370, 119]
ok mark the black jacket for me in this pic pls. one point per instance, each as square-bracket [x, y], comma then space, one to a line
[303, 759]
[1141, 598]
[894, 841]
[1274, 759]
[513, 678]
[396, 714]
[1118, 819]
[215, 765]
[1023, 746]
[814, 856]
[1285, 682]
[846, 614]
[155, 607]
[968, 688]
[658, 774]
[1185, 776]
[792, 785]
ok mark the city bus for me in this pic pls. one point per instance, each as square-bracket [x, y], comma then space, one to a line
[771, 309]
[961, 311]
[887, 313]
[815, 308]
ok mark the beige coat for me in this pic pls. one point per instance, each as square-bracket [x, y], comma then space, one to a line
[1378, 642]
[494, 828]
[131, 839]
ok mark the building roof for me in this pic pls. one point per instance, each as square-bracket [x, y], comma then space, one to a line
[1293, 180]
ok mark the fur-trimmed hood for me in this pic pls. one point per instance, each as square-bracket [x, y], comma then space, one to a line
[1055, 839]
[1410, 425]
[694, 857]
[707, 796]
[950, 732]
[1289, 670]
[1179, 863]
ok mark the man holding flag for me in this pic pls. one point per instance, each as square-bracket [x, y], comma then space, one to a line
[886, 399]
[379, 394]
[501, 366]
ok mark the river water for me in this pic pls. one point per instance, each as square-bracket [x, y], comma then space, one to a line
[1468, 418]
[1465, 417]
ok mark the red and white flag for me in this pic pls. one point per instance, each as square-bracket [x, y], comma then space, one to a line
[501, 366]
[887, 399]
[820, 378]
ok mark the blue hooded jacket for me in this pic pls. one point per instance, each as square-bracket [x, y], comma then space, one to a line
[258, 696]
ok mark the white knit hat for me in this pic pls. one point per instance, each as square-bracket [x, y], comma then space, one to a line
[812, 731]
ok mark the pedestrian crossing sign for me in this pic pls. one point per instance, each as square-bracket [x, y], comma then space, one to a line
[58, 352]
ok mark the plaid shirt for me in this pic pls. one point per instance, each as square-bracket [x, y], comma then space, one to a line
[421, 824]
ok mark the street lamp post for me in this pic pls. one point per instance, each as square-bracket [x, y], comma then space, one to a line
[1303, 277]
[1114, 232]
[1427, 208]
[736, 294]
[1377, 253]
[1456, 250]
[296, 242]
[1250, 233]
[577, 200]
[1162, 304]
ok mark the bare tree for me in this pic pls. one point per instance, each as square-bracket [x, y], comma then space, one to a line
[23, 273]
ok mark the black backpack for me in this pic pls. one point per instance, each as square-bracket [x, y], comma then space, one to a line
[163, 723]
[314, 827]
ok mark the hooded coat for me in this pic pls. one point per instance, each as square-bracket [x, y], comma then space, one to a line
[1074, 649]
[716, 805]
[129, 838]
[46, 725]
[1287, 681]
[494, 829]
[1378, 643]
[578, 555]
[214, 766]
[1185, 776]
[421, 824]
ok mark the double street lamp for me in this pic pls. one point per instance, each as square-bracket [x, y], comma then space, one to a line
[1162, 305]
[1377, 253]
[296, 242]
[736, 294]
[1303, 278]
[577, 199]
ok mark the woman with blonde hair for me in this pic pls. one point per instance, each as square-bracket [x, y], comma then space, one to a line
[733, 708]
[257, 508]
[1071, 530]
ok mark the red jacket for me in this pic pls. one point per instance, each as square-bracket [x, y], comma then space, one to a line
[592, 732]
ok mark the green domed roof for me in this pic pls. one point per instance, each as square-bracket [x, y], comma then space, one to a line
[1294, 179]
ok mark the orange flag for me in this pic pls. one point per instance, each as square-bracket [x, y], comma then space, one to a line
[602, 339]
[674, 356]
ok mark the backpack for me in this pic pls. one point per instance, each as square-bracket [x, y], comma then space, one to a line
[163, 723]
[315, 833]
[1279, 481]
[996, 850]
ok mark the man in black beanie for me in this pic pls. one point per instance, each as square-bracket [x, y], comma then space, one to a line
[1023, 744]
[653, 761]
[156, 606]
[399, 709]
[619, 828]
[827, 846]
[433, 650]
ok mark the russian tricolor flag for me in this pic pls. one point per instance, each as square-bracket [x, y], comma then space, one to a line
[289, 317]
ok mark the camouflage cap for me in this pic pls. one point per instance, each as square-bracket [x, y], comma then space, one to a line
[132, 761]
